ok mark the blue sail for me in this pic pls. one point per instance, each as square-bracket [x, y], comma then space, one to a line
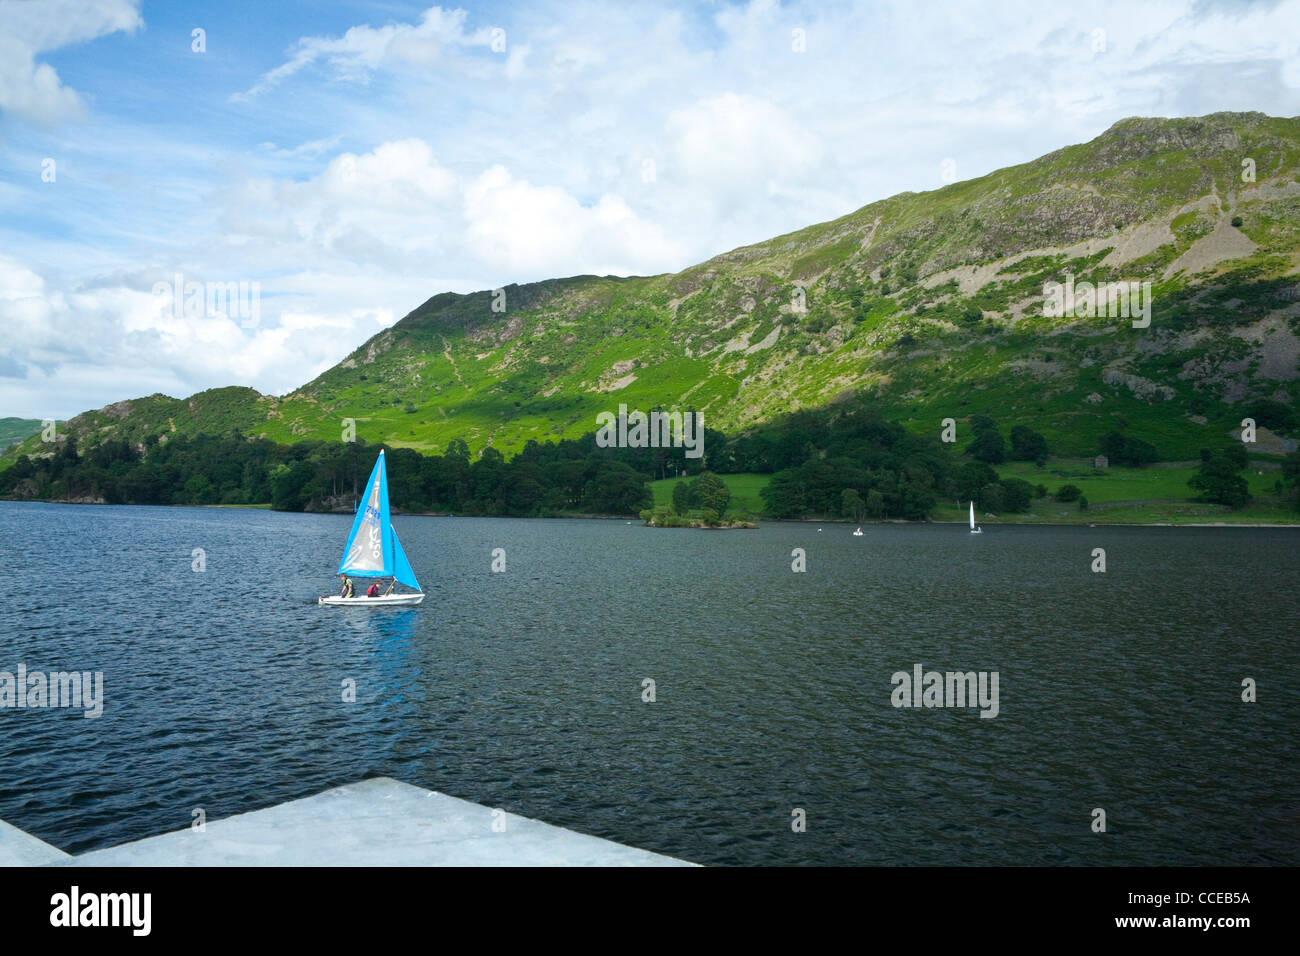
[369, 551]
[402, 568]
[373, 550]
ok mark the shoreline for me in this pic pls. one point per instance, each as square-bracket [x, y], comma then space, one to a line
[636, 519]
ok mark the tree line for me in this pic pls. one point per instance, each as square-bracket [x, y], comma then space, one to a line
[564, 478]
[841, 461]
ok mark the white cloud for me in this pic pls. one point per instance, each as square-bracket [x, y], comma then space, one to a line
[60, 341]
[33, 90]
[311, 148]
[542, 230]
[737, 148]
[364, 49]
[397, 209]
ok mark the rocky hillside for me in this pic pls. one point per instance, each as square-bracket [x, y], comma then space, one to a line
[933, 303]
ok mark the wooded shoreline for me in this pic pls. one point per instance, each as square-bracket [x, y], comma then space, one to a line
[743, 524]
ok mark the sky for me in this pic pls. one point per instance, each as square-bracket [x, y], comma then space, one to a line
[347, 161]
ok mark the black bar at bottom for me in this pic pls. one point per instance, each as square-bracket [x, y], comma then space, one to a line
[334, 905]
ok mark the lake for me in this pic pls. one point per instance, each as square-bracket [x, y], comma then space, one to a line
[523, 689]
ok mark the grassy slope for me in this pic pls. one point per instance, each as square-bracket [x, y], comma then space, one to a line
[885, 288]
[15, 430]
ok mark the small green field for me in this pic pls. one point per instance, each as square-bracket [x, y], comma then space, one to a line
[1157, 494]
[744, 492]
[1159, 481]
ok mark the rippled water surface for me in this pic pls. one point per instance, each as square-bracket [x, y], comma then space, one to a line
[523, 689]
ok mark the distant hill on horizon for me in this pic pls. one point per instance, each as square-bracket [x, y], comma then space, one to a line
[14, 430]
[930, 303]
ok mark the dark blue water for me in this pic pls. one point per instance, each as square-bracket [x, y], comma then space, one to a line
[523, 689]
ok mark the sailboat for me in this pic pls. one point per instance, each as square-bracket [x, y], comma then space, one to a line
[373, 550]
[973, 529]
[858, 533]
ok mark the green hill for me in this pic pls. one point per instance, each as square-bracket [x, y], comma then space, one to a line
[930, 303]
[14, 430]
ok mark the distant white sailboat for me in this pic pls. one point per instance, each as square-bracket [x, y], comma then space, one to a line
[373, 550]
[973, 529]
[858, 533]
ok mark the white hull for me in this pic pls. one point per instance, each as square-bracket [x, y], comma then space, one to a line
[386, 600]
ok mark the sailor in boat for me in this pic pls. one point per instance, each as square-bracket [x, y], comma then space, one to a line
[373, 590]
[347, 590]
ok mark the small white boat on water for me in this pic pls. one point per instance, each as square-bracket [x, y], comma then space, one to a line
[381, 600]
[973, 529]
[858, 533]
[373, 550]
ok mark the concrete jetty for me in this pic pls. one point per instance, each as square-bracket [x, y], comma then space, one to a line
[377, 822]
[22, 849]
